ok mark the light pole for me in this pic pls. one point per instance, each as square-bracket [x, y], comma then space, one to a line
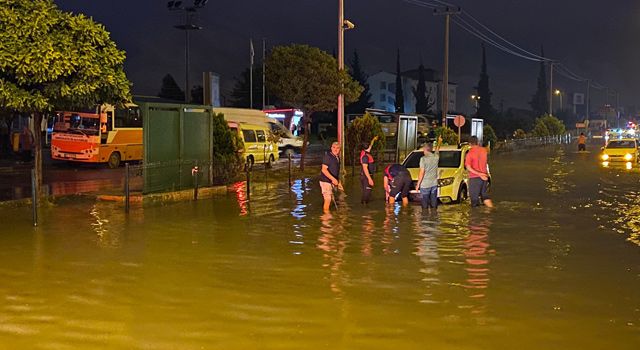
[475, 98]
[447, 12]
[559, 94]
[189, 12]
[343, 25]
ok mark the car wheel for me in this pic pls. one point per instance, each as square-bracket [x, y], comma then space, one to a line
[288, 152]
[463, 194]
[114, 160]
[271, 161]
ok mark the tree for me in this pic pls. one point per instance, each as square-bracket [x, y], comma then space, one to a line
[53, 59]
[240, 93]
[170, 89]
[540, 100]
[449, 137]
[548, 125]
[399, 92]
[485, 109]
[226, 159]
[420, 92]
[363, 129]
[489, 136]
[364, 101]
[308, 78]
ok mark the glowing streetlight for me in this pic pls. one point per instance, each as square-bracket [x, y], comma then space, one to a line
[475, 98]
[559, 94]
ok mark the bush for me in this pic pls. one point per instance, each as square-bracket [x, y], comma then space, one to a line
[227, 162]
[489, 136]
[519, 134]
[548, 125]
[449, 137]
[363, 129]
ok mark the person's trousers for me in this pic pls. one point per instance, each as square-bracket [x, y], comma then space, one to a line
[366, 189]
[429, 197]
[478, 191]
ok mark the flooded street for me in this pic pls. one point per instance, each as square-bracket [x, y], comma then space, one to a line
[555, 266]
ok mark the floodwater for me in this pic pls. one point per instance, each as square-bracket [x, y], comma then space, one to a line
[555, 266]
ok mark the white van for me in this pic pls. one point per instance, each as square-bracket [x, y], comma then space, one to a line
[288, 143]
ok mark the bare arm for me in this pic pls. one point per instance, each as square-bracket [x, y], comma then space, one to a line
[420, 176]
[365, 169]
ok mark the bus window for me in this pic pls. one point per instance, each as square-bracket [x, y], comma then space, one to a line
[128, 118]
[261, 136]
[249, 136]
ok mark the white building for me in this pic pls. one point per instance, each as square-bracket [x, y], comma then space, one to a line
[382, 86]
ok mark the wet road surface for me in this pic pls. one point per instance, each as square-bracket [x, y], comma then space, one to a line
[556, 265]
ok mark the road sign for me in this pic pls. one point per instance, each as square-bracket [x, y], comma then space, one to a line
[459, 121]
[581, 125]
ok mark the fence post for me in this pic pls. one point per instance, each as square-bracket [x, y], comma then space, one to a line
[34, 197]
[247, 169]
[289, 154]
[195, 173]
[126, 188]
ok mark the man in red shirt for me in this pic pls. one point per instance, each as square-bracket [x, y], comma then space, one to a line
[476, 164]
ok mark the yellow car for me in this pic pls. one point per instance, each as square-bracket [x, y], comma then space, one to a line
[620, 151]
[452, 175]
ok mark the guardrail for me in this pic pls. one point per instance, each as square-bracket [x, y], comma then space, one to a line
[530, 142]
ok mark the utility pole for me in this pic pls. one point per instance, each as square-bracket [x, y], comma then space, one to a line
[341, 95]
[251, 54]
[447, 12]
[264, 57]
[188, 26]
[551, 63]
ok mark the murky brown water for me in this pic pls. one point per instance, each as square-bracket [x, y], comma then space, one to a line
[555, 266]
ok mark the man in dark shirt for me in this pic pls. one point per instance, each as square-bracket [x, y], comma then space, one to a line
[368, 167]
[330, 175]
[397, 183]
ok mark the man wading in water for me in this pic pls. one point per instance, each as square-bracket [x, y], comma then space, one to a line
[476, 164]
[330, 175]
[368, 167]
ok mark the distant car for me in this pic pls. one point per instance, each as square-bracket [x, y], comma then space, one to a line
[453, 177]
[621, 150]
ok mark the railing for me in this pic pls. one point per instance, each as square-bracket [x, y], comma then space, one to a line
[530, 142]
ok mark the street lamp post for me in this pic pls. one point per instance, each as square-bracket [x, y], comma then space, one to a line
[343, 25]
[559, 94]
[475, 98]
[188, 26]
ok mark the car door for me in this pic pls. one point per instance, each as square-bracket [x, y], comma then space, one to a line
[262, 145]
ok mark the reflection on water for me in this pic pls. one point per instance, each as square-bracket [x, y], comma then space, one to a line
[279, 274]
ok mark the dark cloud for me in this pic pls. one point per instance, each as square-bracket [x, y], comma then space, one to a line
[593, 38]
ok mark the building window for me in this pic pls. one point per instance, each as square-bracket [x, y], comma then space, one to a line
[383, 97]
[383, 85]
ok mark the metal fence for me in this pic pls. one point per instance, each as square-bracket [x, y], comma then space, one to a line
[530, 142]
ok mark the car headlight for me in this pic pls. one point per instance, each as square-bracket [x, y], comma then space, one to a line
[605, 157]
[628, 156]
[445, 182]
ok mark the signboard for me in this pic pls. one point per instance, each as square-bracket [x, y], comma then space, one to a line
[211, 83]
[581, 125]
[459, 121]
[578, 99]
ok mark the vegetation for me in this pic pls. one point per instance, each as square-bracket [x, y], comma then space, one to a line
[53, 59]
[449, 137]
[540, 100]
[399, 92]
[308, 78]
[485, 109]
[362, 130]
[489, 136]
[548, 125]
[240, 94]
[227, 161]
[519, 134]
[423, 106]
[364, 101]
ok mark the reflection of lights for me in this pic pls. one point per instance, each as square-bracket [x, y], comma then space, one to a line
[241, 196]
[605, 157]
[629, 165]
[628, 157]
[605, 164]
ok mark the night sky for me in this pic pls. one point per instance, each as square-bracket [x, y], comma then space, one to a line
[594, 38]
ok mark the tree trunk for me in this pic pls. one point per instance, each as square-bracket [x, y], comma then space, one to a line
[307, 126]
[37, 152]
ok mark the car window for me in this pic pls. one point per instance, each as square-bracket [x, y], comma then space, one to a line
[449, 159]
[413, 160]
[621, 144]
[249, 135]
